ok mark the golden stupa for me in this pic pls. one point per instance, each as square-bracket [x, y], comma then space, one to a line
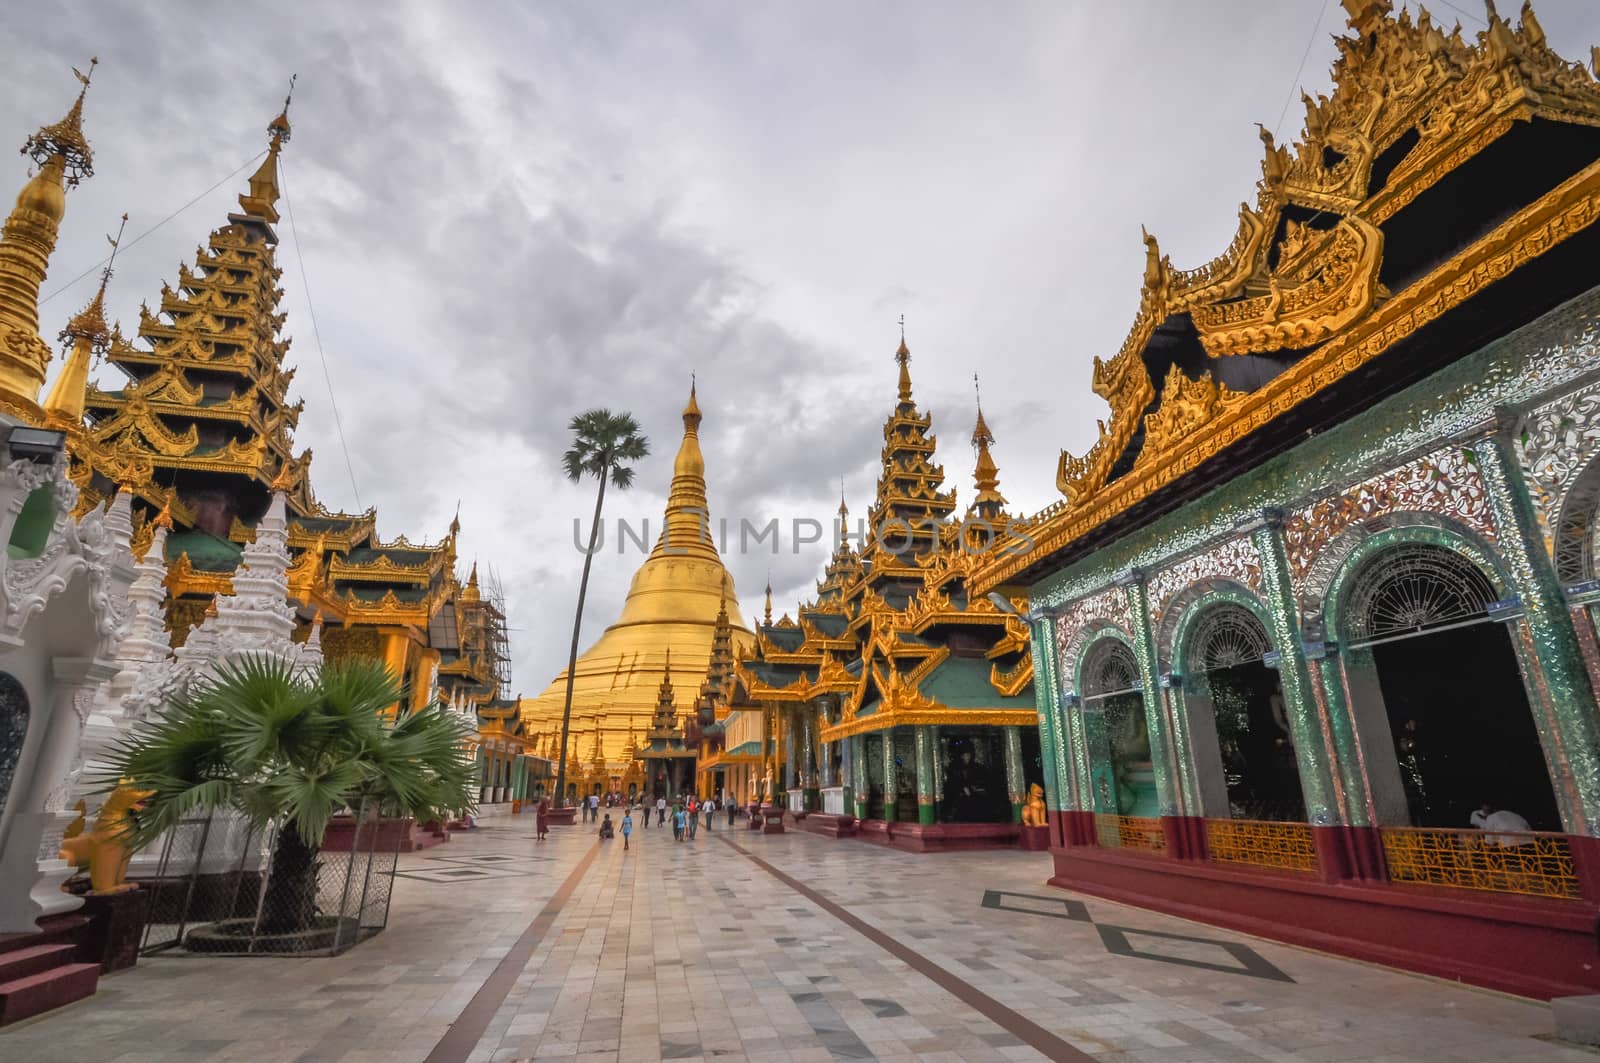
[666, 629]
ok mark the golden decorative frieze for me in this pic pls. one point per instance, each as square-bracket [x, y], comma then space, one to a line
[1309, 298]
[937, 716]
[379, 570]
[1012, 681]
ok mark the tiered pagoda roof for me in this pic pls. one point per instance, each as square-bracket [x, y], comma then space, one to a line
[1351, 276]
[665, 738]
[201, 429]
[893, 636]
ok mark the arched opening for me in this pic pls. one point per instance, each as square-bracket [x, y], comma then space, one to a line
[1226, 674]
[31, 533]
[1577, 531]
[13, 732]
[1114, 721]
[1461, 727]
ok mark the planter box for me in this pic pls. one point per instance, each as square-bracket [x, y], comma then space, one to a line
[381, 835]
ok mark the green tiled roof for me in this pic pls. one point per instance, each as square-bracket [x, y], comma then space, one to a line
[206, 552]
[963, 683]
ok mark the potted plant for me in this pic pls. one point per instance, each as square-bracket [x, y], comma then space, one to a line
[291, 748]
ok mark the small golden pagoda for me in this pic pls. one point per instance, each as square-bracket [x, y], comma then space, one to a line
[672, 608]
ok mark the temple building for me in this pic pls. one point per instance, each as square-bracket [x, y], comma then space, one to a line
[896, 707]
[1314, 630]
[678, 607]
[201, 427]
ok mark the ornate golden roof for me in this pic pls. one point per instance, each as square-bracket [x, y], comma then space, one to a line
[1306, 281]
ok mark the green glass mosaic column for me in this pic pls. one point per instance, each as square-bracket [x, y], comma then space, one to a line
[938, 764]
[891, 793]
[858, 774]
[924, 737]
[1554, 652]
[1161, 752]
[1015, 785]
[1059, 791]
[1312, 756]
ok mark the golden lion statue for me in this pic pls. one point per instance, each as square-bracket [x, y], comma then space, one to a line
[103, 851]
[1033, 813]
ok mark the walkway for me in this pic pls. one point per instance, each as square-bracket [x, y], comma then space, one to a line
[733, 948]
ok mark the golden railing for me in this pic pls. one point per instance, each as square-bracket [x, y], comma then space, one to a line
[1537, 865]
[1129, 832]
[1282, 846]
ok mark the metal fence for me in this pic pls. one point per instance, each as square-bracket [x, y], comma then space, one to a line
[277, 897]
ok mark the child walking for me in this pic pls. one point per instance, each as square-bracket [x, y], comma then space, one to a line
[627, 828]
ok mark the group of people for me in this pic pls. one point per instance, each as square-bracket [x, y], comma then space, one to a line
[685, 812]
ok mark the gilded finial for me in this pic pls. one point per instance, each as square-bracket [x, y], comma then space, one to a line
[163, 519]
[691, 412]
[64, 139]
[981, 436]
[903, 356]
[455, 522]
[128, 475]
[283, 481]
[278, 130]
[768, 620]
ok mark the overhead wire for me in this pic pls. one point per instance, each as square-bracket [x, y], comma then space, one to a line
[327, 377]
[1294, 83]
[131, 243]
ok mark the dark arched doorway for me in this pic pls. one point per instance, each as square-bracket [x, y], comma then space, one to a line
[1458, 713]
[13, 732]
[1226, 658]
[1113, 713]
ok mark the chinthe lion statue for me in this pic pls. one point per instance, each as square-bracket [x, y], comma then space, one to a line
[103, 851]
[1033, 812]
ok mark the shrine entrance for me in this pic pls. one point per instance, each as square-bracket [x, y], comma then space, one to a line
[1460, 727]
[13, 732]
[873, 743]
[1244, 751]
[1119, 740]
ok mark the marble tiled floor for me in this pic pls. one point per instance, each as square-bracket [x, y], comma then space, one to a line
[695, 951]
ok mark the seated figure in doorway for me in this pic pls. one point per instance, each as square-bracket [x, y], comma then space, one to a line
[966, 784]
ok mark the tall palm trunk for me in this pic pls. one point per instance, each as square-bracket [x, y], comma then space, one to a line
[572, 659]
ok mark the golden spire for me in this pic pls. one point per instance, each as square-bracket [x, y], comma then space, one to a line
[89, 337]
[471, 593]
[283, 481]
[986, 473]
[261, 201]
[686, 531]
[844, 519]
[164, 518]
[768, 618]
[903, 356]
[26, 242]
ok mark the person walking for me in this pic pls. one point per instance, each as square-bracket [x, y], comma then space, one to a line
[694, 818]
[594, 806]
[661, 810]
[711, 811]
[541, 817]
[733, 808]
[627, 828]
[677, 823]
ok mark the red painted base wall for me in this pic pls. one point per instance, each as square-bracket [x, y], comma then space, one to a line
[1522, 945]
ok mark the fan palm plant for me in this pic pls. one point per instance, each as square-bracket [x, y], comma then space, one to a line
[286, 746]
[604, 445]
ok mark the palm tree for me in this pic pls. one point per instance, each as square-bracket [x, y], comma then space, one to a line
[604, 445]
[277, 744]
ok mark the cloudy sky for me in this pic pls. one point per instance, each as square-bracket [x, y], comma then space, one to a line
[508, 213]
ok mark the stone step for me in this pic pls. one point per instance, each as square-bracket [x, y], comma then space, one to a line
[20, 963]
[34, 994]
